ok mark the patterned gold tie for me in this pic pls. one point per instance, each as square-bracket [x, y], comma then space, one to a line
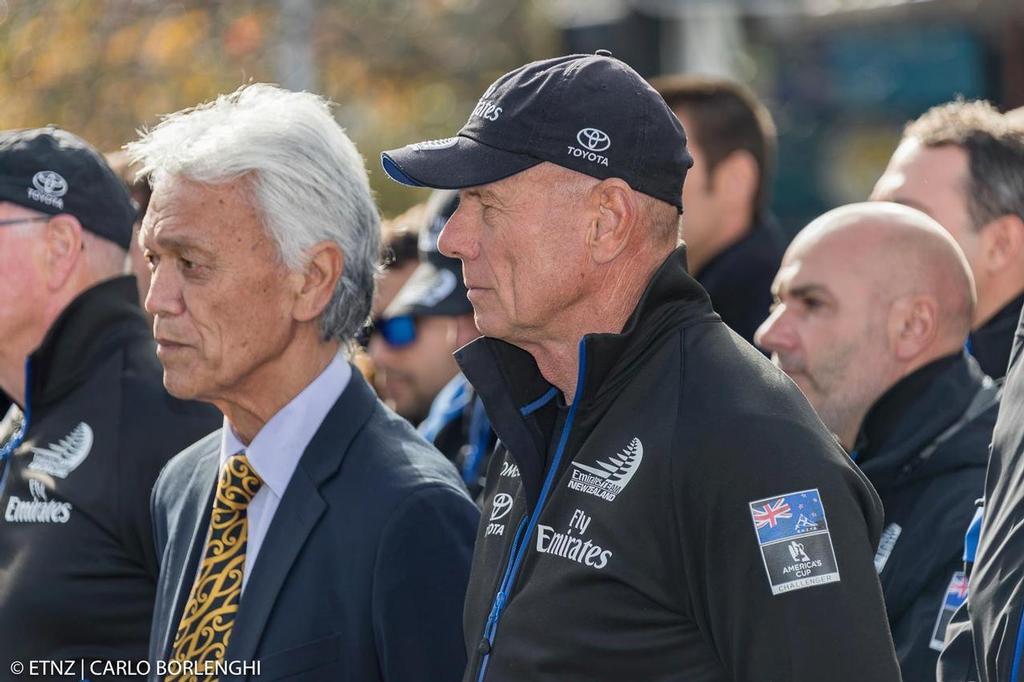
[209, 615]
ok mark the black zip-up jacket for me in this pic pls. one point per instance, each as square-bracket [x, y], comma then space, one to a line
[991, 344]
[924, 447]
[687, 518]
[739, 279]
[986, 638]
[77, 566]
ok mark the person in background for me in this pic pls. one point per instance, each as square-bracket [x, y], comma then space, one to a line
[412, 345]
[663, 503]
[139, 189]
[399, 257]
[399, 254]
[985, 639]
[350, 535]
[92, 425]
[962, 164]
[733, 244]
[872, 304]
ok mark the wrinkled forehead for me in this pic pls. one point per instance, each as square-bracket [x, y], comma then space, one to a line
[221, 215]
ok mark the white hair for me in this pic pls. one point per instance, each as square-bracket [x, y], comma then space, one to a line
[304, 173]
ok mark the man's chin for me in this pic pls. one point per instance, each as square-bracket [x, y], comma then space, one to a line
[414, 414]
[177, 384]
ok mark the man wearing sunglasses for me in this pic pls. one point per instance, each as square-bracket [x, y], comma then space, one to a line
[411, 345]
[92, 425]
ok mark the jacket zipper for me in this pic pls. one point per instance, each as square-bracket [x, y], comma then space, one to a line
[522, 540]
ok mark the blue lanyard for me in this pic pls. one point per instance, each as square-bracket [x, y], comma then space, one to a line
[528, 524]
[15, 441]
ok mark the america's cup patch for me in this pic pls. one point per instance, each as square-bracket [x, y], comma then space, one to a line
[956, 595]
[796, 548]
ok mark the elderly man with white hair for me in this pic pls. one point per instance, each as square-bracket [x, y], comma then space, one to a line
[316, 534]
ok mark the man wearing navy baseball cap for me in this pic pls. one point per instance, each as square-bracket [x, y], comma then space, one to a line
[411, 346]
[663, 503]
[92, 424]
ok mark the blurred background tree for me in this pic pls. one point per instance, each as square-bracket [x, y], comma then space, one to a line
[398, 70]
[840, 76]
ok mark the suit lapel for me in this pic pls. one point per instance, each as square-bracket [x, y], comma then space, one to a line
[199, 501]
[297, 514]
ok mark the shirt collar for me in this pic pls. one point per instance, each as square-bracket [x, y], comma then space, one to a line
[278, 446]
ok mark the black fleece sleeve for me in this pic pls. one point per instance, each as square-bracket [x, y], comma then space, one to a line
[780, 530]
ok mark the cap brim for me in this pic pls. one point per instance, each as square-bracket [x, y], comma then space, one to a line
[452, 163]
[430, 291]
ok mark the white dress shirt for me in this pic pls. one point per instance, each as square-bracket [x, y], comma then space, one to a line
[278, 446]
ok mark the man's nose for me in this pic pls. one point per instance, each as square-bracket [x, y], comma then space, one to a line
[455, 240]
[164, 297]
[776, 333]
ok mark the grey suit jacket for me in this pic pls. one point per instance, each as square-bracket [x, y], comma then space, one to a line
[363, 570]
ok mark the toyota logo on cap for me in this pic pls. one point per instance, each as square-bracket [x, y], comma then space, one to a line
[51, 183]
[593, 139]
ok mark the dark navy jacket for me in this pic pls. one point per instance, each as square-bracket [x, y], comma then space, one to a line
[924, 446]
[362, 573]
[739, 279]
[687, 519]
[991, 344]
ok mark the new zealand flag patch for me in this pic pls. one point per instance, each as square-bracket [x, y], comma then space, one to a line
[793, 535]
[956, 595]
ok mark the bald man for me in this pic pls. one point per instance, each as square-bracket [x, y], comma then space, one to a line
[873, 302]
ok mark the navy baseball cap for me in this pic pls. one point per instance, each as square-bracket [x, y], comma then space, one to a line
[435, 286]
[589, 113]
[52, 171]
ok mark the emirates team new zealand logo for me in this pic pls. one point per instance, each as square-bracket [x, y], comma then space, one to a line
[609, 477]
[61, 458]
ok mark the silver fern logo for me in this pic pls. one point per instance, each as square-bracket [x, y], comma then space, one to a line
[61, 458]
[608, 478]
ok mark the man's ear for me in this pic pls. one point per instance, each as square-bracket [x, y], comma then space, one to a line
[317, 281]
[615, 215]
[1002, 241]
[913, 325]
[64, 249]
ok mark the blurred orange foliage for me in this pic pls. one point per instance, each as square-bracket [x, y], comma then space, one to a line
[400, 70]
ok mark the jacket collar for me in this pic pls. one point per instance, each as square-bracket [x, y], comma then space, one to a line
[912, 413]
[92, 326]
[991, 343]
[508, 381]
[301, 507]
